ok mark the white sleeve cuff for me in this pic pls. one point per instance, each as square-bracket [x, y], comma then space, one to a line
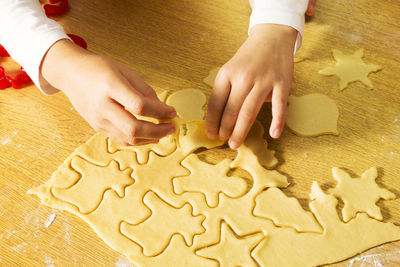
[27, 34]
[283, 12]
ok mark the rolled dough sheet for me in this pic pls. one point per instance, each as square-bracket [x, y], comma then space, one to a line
[134, 208]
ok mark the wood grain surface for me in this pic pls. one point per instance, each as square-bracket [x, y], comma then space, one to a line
[173, 45]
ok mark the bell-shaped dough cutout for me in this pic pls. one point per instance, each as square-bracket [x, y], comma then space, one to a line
[312, 115]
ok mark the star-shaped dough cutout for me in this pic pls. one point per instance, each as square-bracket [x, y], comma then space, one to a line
[230, 242]
[350, 68]
[359, 194]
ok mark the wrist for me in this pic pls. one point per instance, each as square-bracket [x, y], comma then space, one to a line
[54, 65]
[282, 34]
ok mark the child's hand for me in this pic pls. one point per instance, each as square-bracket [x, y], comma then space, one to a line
[261, 70]
[102, 90]
[311, 7]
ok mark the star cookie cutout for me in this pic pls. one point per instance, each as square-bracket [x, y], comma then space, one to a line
[359, 194]
[350, 68]
[229, 242]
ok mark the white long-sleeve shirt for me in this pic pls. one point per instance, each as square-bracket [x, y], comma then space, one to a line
[26, 33]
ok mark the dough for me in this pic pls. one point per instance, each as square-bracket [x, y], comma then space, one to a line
[87, 193]
[209, 80]
[292, 215]
[255, 147]
[222, 251]
[174, 253]
[154, 237]
[188, 104]
[350, 68]
[312, 115]
[339, 240]
[165, 208]
[209, 179]
[359, 195]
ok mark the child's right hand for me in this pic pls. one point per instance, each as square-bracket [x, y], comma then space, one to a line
[102, 90]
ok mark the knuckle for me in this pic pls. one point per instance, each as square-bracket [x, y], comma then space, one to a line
[229, 117]
[223, 73]
[131, 130]
[98, 122]
[279, 116]
[137, 106]
[245, 76]
[248, 114]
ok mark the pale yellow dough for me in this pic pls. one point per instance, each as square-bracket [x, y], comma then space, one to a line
[339, 240]
[160, 205]
[230, 242]
[188, 104]
[350, 68]
[359, 194]
[210, 79]
[209, 179]
[312, 115]
[292, 215]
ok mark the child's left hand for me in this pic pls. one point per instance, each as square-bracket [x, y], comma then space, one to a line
[260, 71]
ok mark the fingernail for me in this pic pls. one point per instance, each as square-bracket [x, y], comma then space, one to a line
[233, 144]
[171, 130]
[275, 133]
[172, 114]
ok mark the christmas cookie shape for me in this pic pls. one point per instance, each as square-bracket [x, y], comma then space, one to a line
[312, 115]
[350, 68]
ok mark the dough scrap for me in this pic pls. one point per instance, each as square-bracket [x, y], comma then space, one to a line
[312, 115]
[359, 195]
[209, 179]
[209, 80]
[141, 216]
[350, 68]
[269, 205]
[229, 242]
[339, 241]
[153, 236]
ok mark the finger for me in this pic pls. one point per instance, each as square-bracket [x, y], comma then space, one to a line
[132, 129]
[247, 115]
[279, 103]
[216, 105]
[137, 82]
[109, 129]
[138, 104]
[311, 7]
[268, 98]
[142, 142]
[238, 94]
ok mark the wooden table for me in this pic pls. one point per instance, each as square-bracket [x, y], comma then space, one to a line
[173, 45]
